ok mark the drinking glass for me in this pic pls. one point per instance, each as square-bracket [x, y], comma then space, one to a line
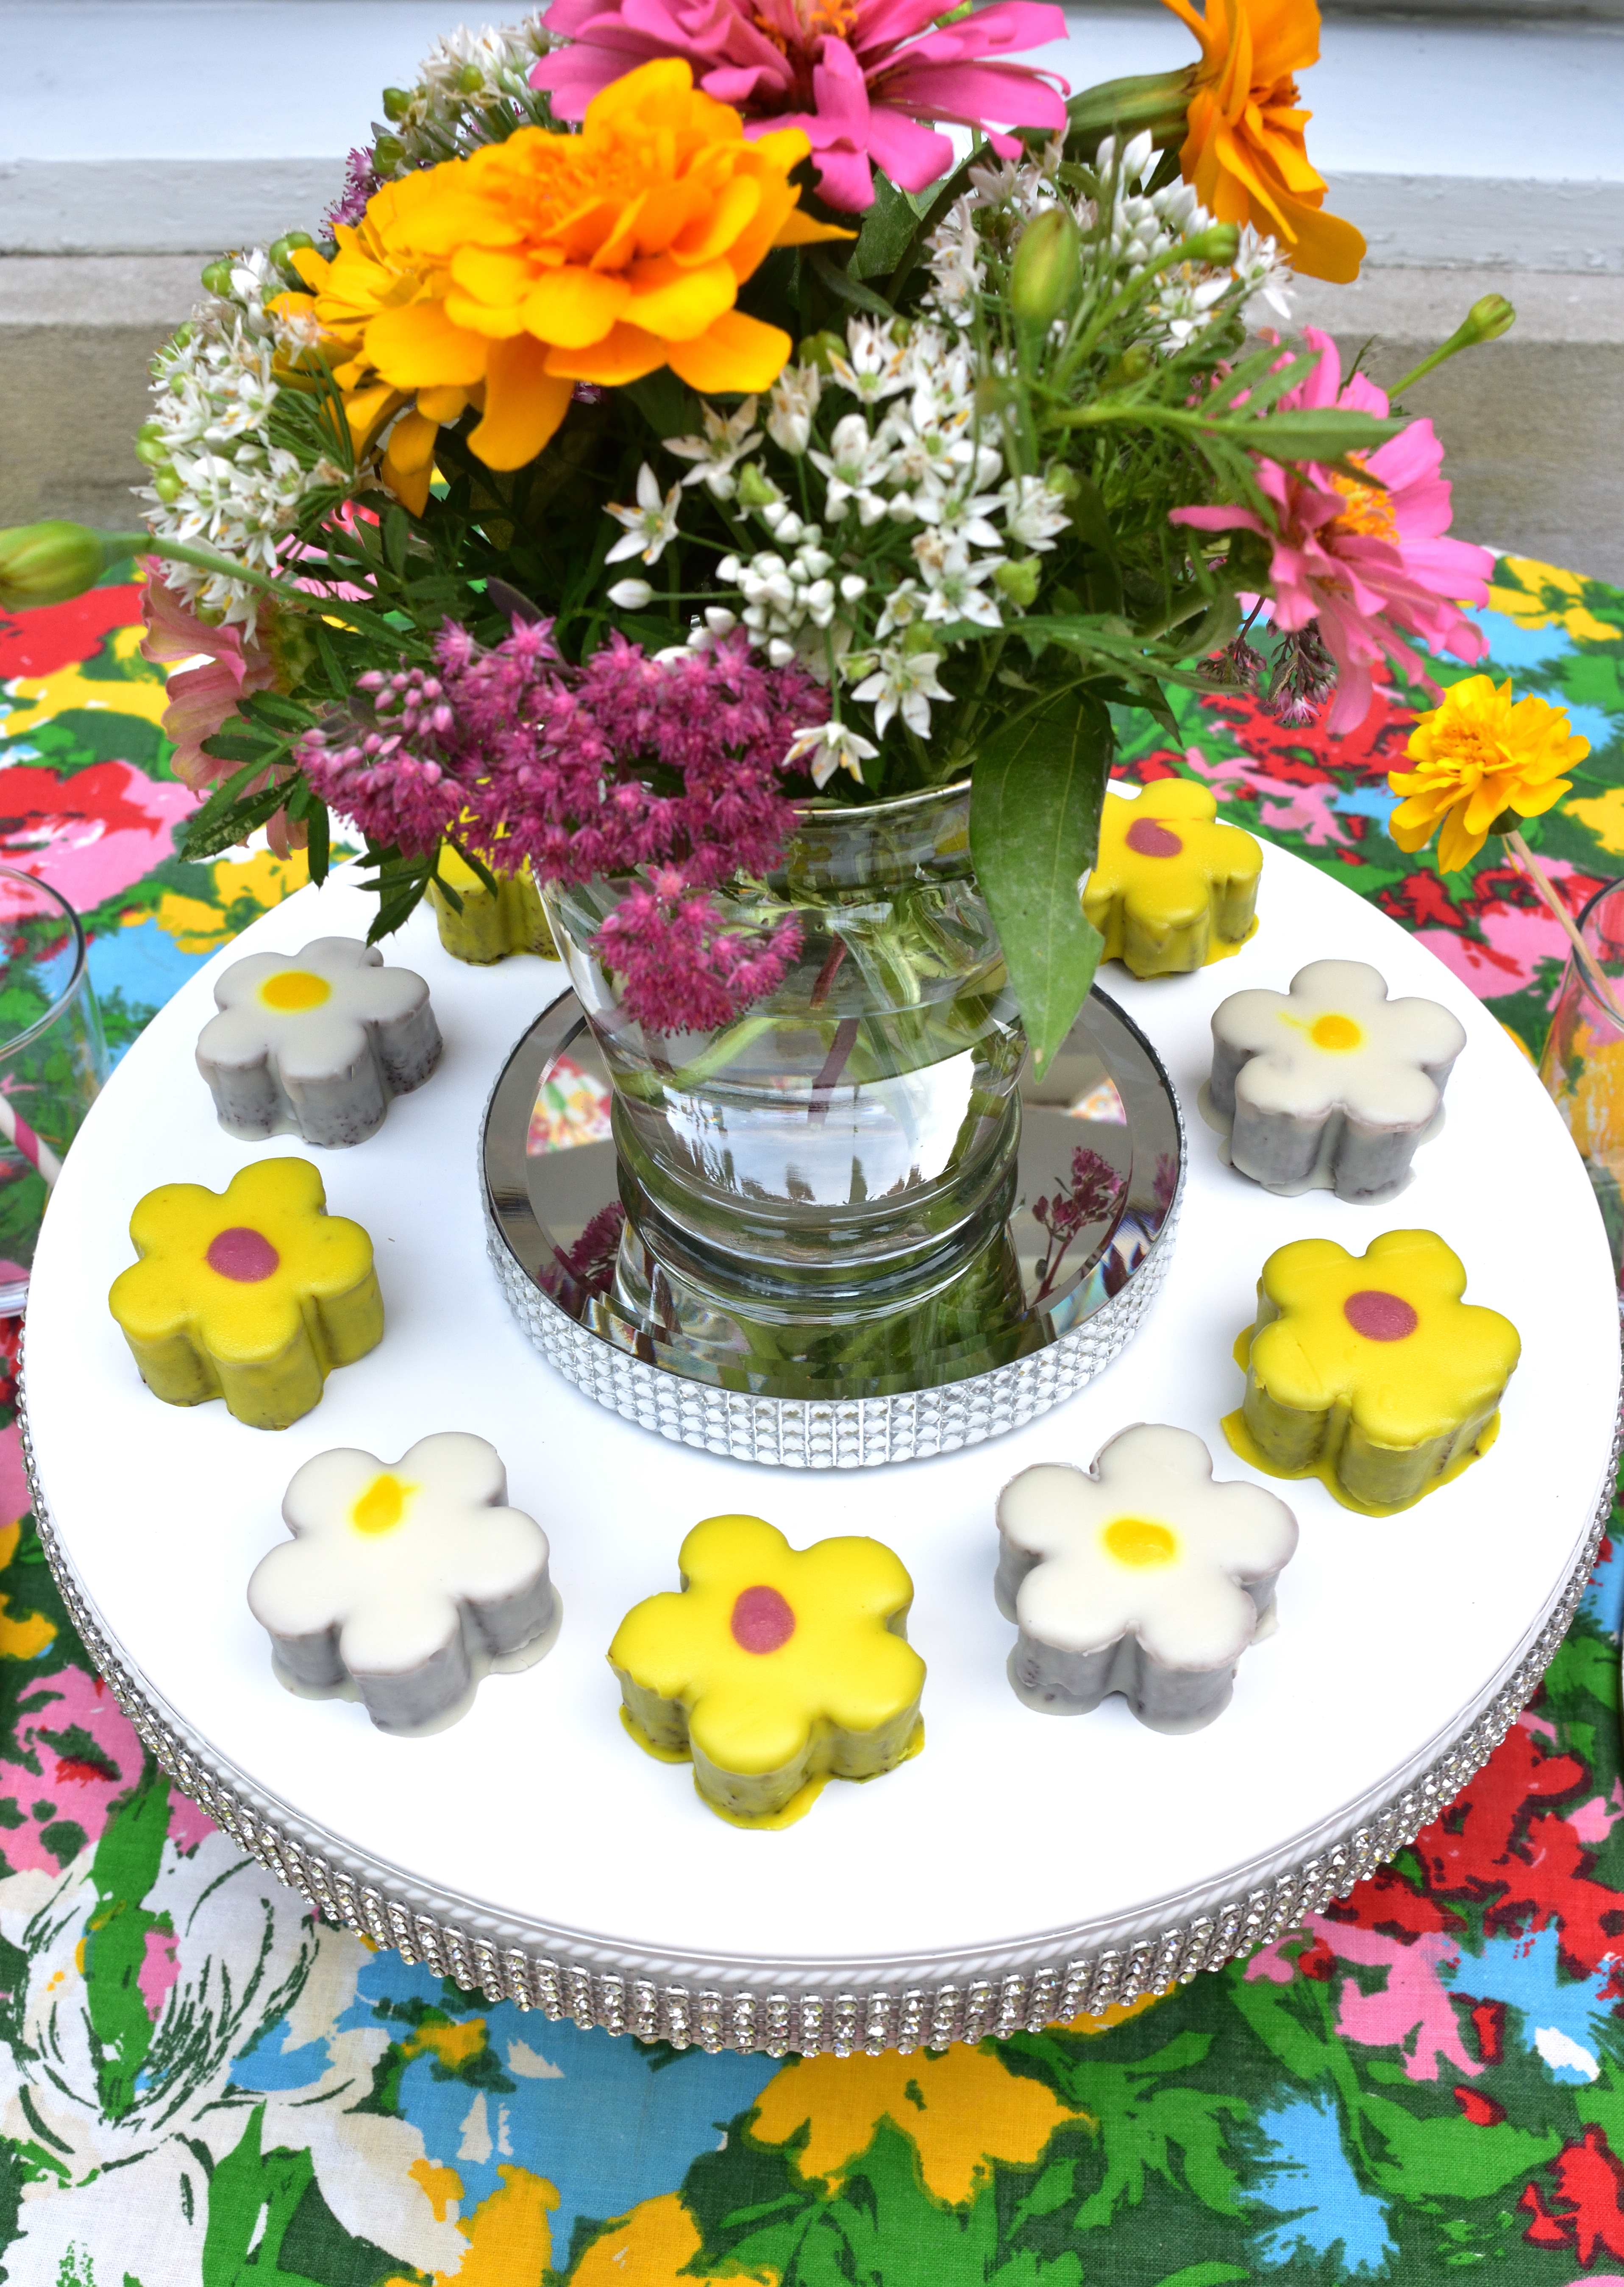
[52, 1061]
[1582, 1066]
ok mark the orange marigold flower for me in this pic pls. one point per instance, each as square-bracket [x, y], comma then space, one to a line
[1244, 147]
[501, 280]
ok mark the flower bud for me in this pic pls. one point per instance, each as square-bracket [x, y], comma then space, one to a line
[167, 485]
[820, 350]
[631, 594]
[387, 154]
[1489, 318]
[397, 102]
[756, 488]
[217, 276]
[152, 452]
[1218, 244]
[470, 79]
[282, 249]
[1019, 582]
[1044, 276]
[48, 563]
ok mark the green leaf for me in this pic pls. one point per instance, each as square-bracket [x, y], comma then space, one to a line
[887, 228]
[1039, 782]
[1204, 2274]
[1313, 432]
[845, 288]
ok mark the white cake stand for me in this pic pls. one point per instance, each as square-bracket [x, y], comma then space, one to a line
[1023, 1867]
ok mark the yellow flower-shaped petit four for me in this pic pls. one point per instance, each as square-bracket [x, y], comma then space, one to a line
[775, 1668]
[251, 1294]
[1172, 889]
[1370, 1371]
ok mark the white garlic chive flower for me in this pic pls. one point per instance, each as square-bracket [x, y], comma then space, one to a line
[953, 582]
[631, 594]
[873, 364]
[1032, 511]
[856, 463]
[716, 454]
[715, 626]
[1265, 276]
[904, 682]
[650, 526]
[794, 400]
[828, 747]
[472, 88]
[217, 481]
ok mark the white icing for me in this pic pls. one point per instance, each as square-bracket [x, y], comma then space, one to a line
[408, 1611]
[1192, 1611]
[1391, 1079]
[327, 1070]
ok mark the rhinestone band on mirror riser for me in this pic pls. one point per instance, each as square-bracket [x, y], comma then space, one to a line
[804, 2024]
[842, 1433]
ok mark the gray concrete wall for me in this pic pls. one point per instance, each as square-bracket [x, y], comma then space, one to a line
[100, 253]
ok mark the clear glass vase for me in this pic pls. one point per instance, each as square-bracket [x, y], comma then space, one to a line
[1582, 1064]
[832, 1172]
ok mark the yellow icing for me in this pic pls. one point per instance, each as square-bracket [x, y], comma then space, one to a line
[839, 1697]
[1333, 1030]
[382, 1505]
[1138, 1541]
[492, 923]
[1166, 914]
[294, 988]
[265, 1345]
[1382, 1422]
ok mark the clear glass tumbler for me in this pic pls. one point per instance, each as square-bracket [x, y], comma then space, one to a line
[1582, 1066]
[52, 1062]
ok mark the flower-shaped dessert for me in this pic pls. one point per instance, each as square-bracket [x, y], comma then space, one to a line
[252, 1294]
[775, 1668]
[1368, 1370]
[1172, 889]
[1331, 1083]
[408, 1580]
[1140, 1575]
[488, 924]
[318, 1041]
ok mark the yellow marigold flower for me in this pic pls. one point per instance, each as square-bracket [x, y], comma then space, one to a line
[1477, 756]
[503, 279]
[1244, 147]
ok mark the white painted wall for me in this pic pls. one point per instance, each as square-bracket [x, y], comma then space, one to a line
[247, 79]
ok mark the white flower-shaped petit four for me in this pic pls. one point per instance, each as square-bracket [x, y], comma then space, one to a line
[318, 1041]
[408, 1580]
[1332, 1083]
[1140, 1575]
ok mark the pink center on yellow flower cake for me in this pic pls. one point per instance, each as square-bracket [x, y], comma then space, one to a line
[774, 1669]
[252, 1294]
[1370, 1371]
[1172, 889]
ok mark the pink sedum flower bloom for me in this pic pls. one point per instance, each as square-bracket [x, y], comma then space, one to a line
[859, 77]
[203, 697]
[1367, 563]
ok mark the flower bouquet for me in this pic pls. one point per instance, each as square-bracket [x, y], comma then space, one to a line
[681, 475]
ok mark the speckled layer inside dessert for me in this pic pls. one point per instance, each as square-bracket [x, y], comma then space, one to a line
[1141, 1575]
[1331, 1084]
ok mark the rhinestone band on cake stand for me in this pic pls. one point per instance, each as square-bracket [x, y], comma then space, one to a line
[1106, 1085]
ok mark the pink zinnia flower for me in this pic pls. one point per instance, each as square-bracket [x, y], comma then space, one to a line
[1366, 563]
[852, 75]
[202, 698]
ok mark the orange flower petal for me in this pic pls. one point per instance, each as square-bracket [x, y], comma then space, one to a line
[575, 307]
[626, 354]
[419, 347]
[680, 305]
[524, 404]
[738, 353]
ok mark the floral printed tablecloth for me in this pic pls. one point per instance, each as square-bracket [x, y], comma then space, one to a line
[199, 2084]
